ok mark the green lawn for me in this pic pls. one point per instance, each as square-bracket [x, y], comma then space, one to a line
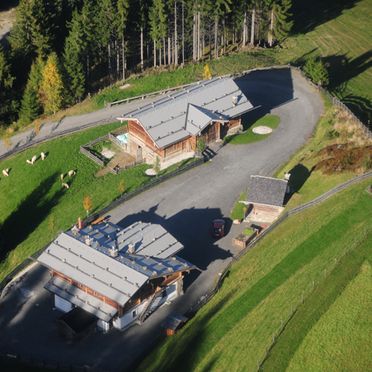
[271, 121]
[238, 210]
[34, 208]
[235, 328]
[326, 346]
[329, 331]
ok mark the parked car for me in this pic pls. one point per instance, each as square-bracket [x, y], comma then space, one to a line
[218, 228]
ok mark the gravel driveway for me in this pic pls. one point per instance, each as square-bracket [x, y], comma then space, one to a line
[184, 205]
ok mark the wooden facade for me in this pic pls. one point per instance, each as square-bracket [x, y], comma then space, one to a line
[142, 147]
[143, 293]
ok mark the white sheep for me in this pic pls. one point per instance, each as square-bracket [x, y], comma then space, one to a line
[33, 159]
[65, 185]
[62, 176]
[6, 172]
[29, 162]
[71, 173]
[42, 155]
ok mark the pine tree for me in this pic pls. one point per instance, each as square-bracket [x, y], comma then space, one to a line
[315, 69]
[283, 22]
[31, 106]
[51, 89]
[158, 26]
[73, 57]
[6, 84]
[123, 11]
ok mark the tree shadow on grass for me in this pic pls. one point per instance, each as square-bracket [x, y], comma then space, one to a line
[27, 217]
[310, 14]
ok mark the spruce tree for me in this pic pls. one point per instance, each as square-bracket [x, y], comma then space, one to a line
[123, 10]
[283, 20]
[31, 106]
[73, 57]
[51, 89]
[6, 84]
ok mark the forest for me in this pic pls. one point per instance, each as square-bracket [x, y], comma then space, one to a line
[60, 51]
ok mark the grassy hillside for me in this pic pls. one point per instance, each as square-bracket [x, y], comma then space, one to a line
[339, 31]
[330, 329]
[34, 207]
[233, 331]
[337, 151]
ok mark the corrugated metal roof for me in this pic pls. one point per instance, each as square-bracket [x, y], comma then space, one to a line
[80, 298]
[165, 120]
[267, 190]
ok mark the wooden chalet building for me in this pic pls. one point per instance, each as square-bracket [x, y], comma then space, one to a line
[119, 275]
[170, 127]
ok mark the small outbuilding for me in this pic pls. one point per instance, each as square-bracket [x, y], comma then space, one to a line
[266, 196]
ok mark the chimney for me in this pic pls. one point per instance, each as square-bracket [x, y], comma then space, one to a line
[114, 251]
[130, 248]
[88, 241]
[234, 100]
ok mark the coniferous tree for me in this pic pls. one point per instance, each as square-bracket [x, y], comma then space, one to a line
[73, 57]
[51, 89]
[31, 106]
[283, 22]
[123, 10]
[6, 84]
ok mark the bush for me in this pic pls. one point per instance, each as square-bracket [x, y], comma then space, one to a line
[316, 71]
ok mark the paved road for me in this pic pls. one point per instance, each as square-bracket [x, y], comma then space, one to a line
[184, 205]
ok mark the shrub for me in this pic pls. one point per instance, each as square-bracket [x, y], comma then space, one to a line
[316, 71]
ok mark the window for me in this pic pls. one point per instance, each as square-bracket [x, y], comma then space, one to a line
[134, 313]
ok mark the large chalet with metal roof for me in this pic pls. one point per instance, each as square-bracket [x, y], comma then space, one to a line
[118, 275]
[171, 126]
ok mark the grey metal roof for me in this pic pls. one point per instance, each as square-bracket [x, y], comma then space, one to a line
[81, 299]
[145, 239]
[143, 252]
[92, 268]
[267, 190]
[165, 120]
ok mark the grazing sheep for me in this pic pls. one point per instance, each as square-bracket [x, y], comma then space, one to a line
[71, 173]
[65, 185]
[29, 162]
[33, 159]
[6, 172]
[42, 155]
[62, 176]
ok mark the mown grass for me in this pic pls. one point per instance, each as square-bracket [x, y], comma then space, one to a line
[320, 335]
[235, 328]
[238, 211]
[269, 120]
[34, 207]
[327, 346]
[340, 32]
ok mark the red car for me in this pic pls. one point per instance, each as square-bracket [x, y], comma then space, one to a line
[218, 228]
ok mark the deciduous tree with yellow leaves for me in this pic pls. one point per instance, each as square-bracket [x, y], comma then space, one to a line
[51, 89]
